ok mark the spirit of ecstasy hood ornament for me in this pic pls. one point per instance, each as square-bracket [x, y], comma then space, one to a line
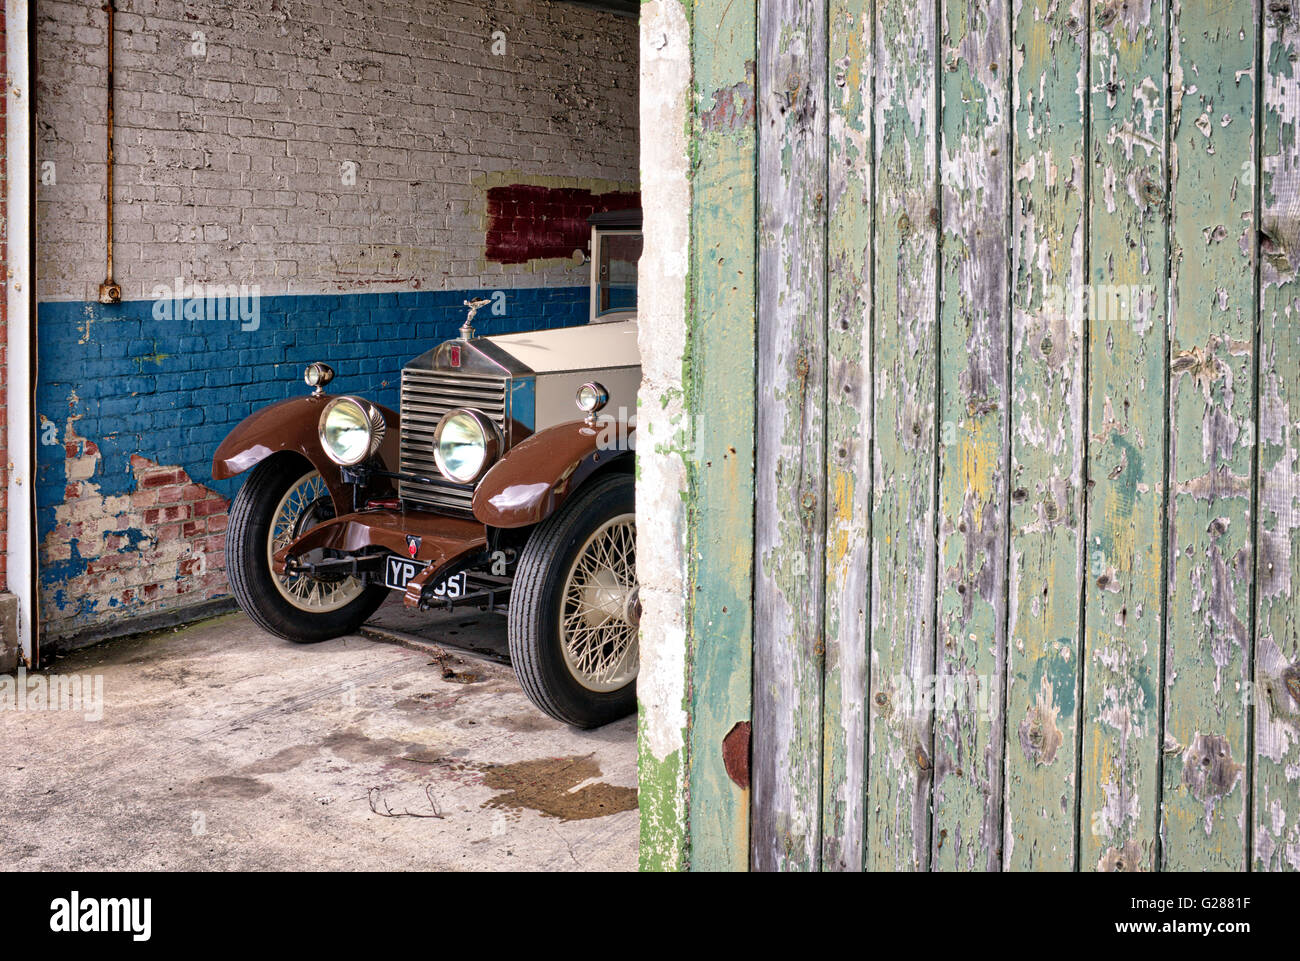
[467, 328]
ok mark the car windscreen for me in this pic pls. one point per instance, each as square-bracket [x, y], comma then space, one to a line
[617, 282]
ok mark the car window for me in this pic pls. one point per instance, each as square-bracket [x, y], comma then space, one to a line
[618, 256]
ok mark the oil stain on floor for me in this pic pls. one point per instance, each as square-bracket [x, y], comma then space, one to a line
[556, 787]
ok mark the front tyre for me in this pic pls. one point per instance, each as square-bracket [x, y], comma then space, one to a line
[283, 498]
[574, 608]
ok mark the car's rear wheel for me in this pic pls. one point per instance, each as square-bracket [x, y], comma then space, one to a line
[283, 498]
[574, 607]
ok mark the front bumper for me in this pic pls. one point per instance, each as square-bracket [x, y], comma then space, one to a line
[446, 544]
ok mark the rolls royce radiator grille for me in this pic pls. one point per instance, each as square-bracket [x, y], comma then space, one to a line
[426, 396]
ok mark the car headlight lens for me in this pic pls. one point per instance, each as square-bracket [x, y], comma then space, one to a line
[464, 445]
[318, 375]
[351, 430]
[591, 397]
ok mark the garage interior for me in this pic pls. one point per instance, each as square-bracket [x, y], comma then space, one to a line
[342, 177]
[968, 482]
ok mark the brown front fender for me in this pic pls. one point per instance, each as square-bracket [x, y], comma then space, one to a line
[291, 425]
[537, 475]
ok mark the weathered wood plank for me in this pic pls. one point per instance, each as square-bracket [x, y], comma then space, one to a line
[1211, 433]
[1126, 427]
[848, 432]
[1047, 441]
[789, 537]
[973, 393]
[720, 388]
[903, 554]
[882, 252]
[1276, 801]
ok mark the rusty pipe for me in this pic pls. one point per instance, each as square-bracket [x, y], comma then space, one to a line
[109, 291]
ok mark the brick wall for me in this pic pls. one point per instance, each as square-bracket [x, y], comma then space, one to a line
[236, 166]
[232, 148]
[4, 317]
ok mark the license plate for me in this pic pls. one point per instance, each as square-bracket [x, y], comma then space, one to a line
[398, 571]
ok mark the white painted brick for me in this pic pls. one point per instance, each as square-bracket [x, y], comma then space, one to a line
[252, 133]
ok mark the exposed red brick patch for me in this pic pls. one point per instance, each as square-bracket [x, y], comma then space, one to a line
[526, 222]
[216, 505]
[160, 546]
[163, 478]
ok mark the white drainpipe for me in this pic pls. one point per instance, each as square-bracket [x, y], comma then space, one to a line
[21, 560]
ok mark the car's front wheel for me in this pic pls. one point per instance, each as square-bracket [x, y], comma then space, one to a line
[574, 607]
[283, 498]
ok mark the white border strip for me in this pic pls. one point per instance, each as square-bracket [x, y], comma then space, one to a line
[18, 300]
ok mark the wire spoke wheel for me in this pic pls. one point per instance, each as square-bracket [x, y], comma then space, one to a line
[575, 612]
[303, 506]
[600, 611]
[283, 498]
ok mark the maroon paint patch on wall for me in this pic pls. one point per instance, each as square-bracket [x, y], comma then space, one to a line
[530, 223]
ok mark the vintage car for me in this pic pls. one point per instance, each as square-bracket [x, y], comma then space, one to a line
[504, 481]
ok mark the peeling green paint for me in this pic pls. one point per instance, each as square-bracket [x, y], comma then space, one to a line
[1123, 576]
[720, 379]
[848, 431]
[1047, 435]
[1012, 436]
[1276, 701]
[789, 483]
[694, 816]
[974, 318]
[903, 546]
[659, 797]
[1211, 434]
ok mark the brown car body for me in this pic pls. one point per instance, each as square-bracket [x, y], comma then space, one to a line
[540, 473]
[528, 484]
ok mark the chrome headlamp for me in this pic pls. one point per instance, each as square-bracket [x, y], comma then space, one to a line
[351, 430]
[465, 445]
[318, 375]
[591, 397]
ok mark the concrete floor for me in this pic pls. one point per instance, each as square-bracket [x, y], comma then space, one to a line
[222, 748]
